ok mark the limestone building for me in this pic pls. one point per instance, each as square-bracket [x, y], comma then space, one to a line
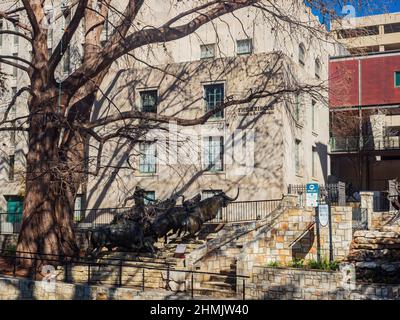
[260, 146]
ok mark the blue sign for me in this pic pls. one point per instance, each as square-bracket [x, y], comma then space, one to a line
[312, 188]
[312, 192]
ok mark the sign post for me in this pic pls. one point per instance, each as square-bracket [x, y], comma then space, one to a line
[324, 219]
[312, 193]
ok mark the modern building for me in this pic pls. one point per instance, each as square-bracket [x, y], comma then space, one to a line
[286, 140]
[377, 33]
[365, 119]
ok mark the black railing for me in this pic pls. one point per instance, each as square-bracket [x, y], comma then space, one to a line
[360, 219]
[334, 193]
[239, 211]
[142, 278]
[381, 202]
[364, 143]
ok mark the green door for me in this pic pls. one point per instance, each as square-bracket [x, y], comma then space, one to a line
[14, 209]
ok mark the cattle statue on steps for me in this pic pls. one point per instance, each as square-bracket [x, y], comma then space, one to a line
[139, 228]
[205, 211]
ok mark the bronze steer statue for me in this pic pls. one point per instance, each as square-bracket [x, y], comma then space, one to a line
[171, 220]
[205, 211]
[128, 235]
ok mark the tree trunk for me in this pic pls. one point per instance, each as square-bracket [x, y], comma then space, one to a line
[47, 227]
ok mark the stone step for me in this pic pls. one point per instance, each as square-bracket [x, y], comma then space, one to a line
[217, 285]
[217, 293]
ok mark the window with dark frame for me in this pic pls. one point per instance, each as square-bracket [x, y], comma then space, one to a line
[148, 101]
[214, 96]
[11, 168]
[207, 51]
[149, 195]
[313, 106]
[314, 162]
[397, 79]
[244, 46]
[147, 158]
[213, 154]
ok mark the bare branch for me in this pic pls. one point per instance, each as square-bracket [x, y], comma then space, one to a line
[16, 33]
[67, 36]
[16, 65]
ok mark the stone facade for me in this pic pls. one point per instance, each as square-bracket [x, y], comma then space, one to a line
[275, 136]
[23, 289]
[295, 284]
[287, 234]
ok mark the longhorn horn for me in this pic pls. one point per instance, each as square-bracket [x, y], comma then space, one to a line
[229, 198]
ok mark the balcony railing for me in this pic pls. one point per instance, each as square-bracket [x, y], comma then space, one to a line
[365, 143]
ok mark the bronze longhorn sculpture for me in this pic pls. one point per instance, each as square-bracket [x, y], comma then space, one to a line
[139, 228]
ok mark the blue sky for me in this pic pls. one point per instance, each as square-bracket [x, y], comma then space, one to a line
[365, 7]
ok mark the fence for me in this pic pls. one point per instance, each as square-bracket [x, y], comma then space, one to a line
[239, 211]
[115, 271]
[381, 202]
[360, 219]
[332, 193]
[365, 143]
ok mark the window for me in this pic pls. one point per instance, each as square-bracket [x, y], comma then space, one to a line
[359, 32]
[15, 206]
[392, 28]
[313, 106]
[213, 153]
[67, 54]
[207, 51]
[297, 156]
[147, 161]
[148, 101]
[67, 61]
[214, 96]
[11, 165]
[314, 162]
[393, 131]
[317, 69]
[149, 195]
[50, 39]
[397, 79]
[244, 46]
[105, 33]
[78, 209]
[302, 54]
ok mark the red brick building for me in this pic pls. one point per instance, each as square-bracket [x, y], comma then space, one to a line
[365, 119]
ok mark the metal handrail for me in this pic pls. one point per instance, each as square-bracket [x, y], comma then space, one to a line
[15, 255]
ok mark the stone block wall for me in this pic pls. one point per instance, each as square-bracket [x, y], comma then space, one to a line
[24, 289]
[294, 236]
[296, 284]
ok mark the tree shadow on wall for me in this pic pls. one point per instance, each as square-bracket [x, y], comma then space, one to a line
[302, 246]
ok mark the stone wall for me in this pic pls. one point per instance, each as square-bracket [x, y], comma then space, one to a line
[287, 234]
[294, 236]
[23, 289]
[289, 283]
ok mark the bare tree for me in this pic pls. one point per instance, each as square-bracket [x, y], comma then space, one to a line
[60, 120]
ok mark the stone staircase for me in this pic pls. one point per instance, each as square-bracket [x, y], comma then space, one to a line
[376, 255]
[220, 285]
